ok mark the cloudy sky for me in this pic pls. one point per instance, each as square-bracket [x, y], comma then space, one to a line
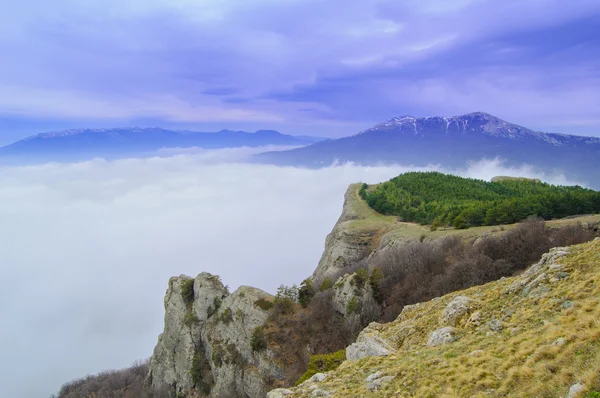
[87, 249]
[301, 66]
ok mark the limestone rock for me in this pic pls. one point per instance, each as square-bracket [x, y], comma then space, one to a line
[368, 344]
[441, 336]
[576, 390]
[279, 393]
[213, 331]
[317, 378]
[345, 290]
[534, 276]
[455, 310]
[377, 383]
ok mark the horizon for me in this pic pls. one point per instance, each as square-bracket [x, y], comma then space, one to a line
[229, 65]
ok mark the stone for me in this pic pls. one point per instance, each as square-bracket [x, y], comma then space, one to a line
[368, 344]
[476, 318]
[456, 310]
[377, 384]
[476, 353]
[317, 378]
[344, 291]
[441, 336]
[374, 376]
[576, 390]
[279, 393]
[566, 305]
[559, 342]
[562, 275]
[320, 393]
[495, 325]
[537, 281]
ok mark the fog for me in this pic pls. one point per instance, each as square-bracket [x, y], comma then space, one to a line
[87, 249]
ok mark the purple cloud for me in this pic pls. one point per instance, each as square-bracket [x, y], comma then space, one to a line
[301, 66]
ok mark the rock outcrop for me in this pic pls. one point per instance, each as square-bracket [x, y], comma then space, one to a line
[206, 344]
[369, 343]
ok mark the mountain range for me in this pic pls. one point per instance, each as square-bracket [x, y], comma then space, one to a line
[452, 142]
[81, 144]
[449, 142]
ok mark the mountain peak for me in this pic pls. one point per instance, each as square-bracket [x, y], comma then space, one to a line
[469, 123]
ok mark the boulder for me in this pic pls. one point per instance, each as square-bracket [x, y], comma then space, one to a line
[368, 344]
[441, 336]
[457, 309]
[576, 390]
[279, 393]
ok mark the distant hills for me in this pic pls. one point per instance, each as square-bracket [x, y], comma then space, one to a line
[78, 144]
[451, 142]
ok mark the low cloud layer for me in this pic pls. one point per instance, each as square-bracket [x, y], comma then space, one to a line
[87, 249]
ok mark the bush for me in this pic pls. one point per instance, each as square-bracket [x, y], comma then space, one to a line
[187, 291]
[285, 299]
[190, 319]
[197, 372]
[323, 363]
[263, 304]
[354, 306]
[361, 276]
[258, 340]
[214, 307]
[326, 285]
[363, 191]
[419, 271]
[125, 383]
[374, 281]
[226, 316]
[306, 292]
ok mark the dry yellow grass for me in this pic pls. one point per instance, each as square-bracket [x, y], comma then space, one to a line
[550, 339]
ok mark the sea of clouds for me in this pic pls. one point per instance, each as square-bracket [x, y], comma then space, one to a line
[86, 249]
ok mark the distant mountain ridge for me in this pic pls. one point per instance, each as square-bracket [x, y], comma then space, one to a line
[452, 142]
[114, 142]
[476, 122]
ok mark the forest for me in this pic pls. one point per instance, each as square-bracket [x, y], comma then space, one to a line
[443, 200]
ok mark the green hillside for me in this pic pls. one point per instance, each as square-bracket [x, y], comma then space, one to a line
[446, 200]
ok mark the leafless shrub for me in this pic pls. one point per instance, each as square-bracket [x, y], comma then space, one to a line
[124, 383]
[419, 271]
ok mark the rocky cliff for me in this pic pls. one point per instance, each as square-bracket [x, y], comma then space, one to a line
[207, 341]
[535, 334]
[207, 347]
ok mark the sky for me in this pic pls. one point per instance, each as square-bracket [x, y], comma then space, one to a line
[318, 67]
[88, 248]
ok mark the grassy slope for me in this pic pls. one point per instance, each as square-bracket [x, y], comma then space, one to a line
[372, 220]
[522, 360]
